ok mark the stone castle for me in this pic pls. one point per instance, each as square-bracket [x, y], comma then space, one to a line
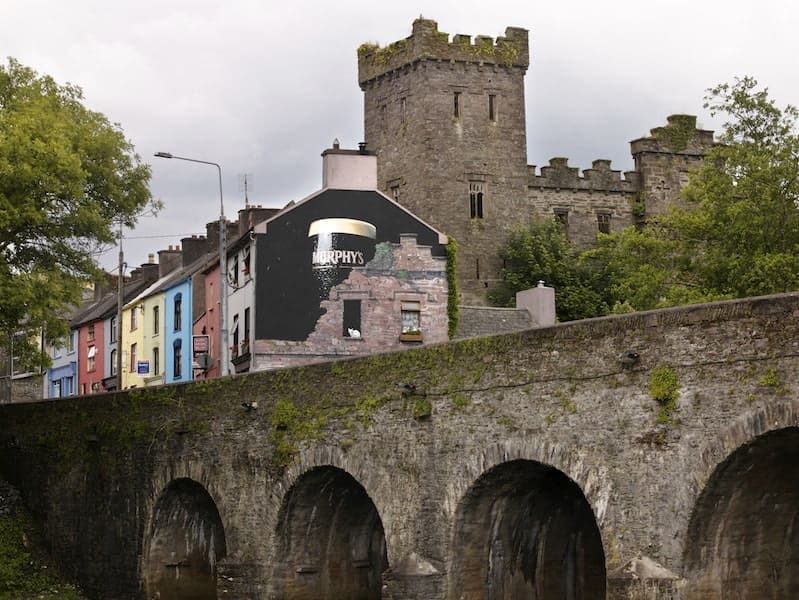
[447, 121]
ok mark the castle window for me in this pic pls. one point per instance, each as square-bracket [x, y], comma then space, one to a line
[492, 107]
[603, 222]
[456, 105]
[562, 217]
[351, 323]
[476, 194]
[403, 102]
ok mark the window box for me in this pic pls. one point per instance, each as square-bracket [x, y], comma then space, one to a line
[411, 336]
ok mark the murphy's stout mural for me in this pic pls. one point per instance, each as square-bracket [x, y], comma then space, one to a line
[316, 245]
[338, 246]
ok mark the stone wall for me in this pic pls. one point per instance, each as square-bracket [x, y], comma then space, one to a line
[423, 435]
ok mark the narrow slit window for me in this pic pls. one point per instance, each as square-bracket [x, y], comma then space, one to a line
[492, 107]
[476, 199]
[351, 326]
[456, 105]
[603, 222]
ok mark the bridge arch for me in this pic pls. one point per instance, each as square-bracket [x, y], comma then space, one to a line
[184, 543]
[743, 535]
[329, 541]
[525, 529]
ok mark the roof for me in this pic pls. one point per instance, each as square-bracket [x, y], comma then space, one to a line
[174, 277]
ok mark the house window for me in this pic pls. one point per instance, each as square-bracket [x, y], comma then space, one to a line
[91, 358]
[410, 316]
[235, 347]
[351, 326]
[90, 334]
[178, 311]
[456, 105]
[112, 326]
[492, 107]
[68, 387]
[247, 323]
[246, 264]
[235, 279]
[562, 217]
[395, 193]
[156, 319]
[134, 319]
[476, 199]
[156, 361]
[178, 359]
[72, 341]
[133, 358]
[603, 222]
[56, 389]
[113, 369]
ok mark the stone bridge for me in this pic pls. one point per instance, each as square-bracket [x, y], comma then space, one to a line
[652, 455]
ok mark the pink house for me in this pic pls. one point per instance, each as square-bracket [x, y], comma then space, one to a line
[90, 357]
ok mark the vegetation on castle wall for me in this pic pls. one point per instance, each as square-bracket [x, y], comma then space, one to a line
[453, 295]
[678, 133]
[664, 389]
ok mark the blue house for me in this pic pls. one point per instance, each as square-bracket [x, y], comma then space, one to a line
[178, 329]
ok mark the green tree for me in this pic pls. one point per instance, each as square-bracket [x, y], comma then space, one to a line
[541, 252]
[737, 232]
[66, 176]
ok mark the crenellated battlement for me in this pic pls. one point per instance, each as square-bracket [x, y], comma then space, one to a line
[679, 136]
[600, 177]
[426, 42]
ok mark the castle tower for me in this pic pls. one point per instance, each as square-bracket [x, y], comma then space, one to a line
[665, 159]
[447, 121]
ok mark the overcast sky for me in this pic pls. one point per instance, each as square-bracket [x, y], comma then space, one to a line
[263, 87]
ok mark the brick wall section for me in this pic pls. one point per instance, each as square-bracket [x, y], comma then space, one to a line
[409, 274]
[92, 468]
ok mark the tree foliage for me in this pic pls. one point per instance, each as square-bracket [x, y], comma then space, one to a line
[737, 232]
[541, 252]
[66, 176]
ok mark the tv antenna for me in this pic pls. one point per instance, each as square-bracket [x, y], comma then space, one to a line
[245, 181]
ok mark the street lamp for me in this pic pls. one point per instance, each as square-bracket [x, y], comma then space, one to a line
[223, 368]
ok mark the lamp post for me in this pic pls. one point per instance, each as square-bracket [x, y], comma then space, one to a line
[223, 349]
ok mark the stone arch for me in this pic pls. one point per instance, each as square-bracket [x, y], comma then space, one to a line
[743, 535]
[524, 528]
[185, 541]
[329, 541]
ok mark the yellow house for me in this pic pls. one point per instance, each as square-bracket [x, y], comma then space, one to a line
[143, 340]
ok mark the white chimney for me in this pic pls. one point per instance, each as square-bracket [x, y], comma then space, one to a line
[349, 169]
